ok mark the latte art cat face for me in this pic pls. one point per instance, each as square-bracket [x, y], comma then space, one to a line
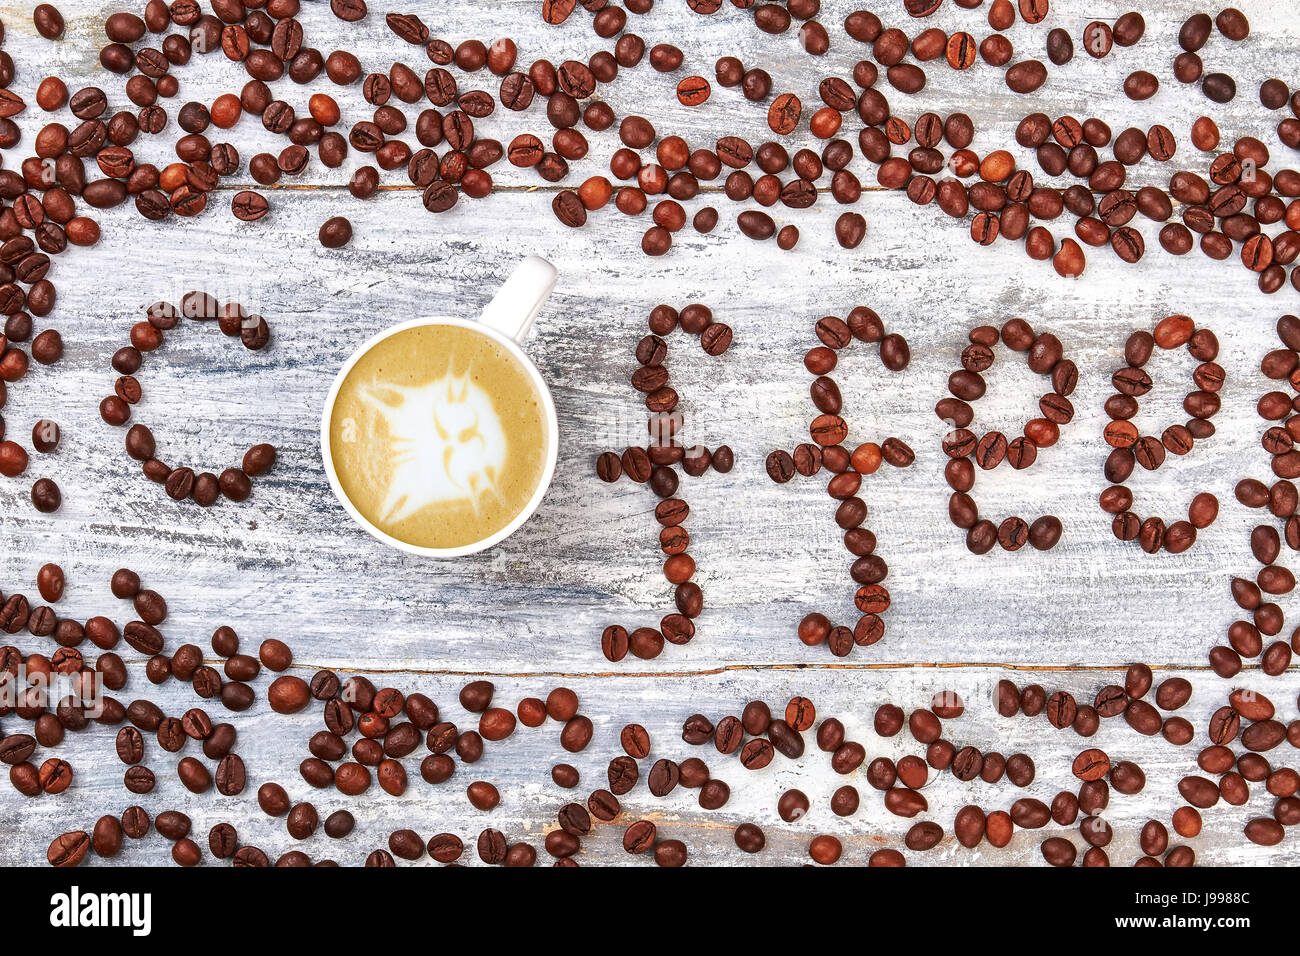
[448, 444]
[437, 436]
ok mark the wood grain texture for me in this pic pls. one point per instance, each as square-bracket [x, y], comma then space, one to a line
[288, 563]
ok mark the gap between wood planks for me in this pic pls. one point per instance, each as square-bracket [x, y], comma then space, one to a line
[546, 188]
[733, 668]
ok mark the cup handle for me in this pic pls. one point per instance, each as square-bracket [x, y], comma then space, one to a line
[516, 304]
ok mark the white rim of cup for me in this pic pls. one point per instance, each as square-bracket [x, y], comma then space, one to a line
[552, 426]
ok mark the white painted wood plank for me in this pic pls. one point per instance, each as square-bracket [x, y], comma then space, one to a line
[520, 768]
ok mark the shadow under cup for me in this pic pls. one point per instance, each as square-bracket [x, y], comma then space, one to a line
[439, 437]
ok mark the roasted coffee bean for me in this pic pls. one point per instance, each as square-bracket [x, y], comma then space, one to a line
[139, 780]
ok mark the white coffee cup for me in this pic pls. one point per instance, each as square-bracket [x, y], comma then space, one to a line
[507, 320]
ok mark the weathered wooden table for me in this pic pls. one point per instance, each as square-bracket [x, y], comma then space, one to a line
[288, 563]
